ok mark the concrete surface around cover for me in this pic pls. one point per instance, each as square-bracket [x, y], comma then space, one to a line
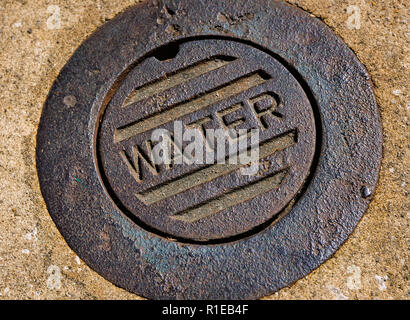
[38, 37]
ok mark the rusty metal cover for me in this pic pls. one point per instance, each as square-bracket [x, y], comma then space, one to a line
[205, 231]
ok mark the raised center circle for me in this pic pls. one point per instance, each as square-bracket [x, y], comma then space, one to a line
[202, 85]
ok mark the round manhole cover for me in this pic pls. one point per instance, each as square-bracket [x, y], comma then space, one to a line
[209, 150]
[210, 85]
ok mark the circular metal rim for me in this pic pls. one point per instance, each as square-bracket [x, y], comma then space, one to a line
[154, 267]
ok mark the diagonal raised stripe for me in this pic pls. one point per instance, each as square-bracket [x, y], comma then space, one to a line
[232, 198]
[182, 109]
[176, 78]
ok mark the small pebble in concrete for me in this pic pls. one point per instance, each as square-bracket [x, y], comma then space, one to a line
[381, 282]
[54, 280]
[354, 280]
[31, 235]
[337, 295]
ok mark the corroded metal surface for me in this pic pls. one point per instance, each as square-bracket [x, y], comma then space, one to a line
[322, 148]
[207, 82]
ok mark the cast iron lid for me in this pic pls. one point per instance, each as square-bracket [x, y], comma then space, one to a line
[206, 230]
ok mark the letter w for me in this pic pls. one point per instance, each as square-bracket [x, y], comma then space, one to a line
[139, 158]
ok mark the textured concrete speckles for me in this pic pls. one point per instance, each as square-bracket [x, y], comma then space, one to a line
[36, 263]
[381, 241]
[31, 57]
